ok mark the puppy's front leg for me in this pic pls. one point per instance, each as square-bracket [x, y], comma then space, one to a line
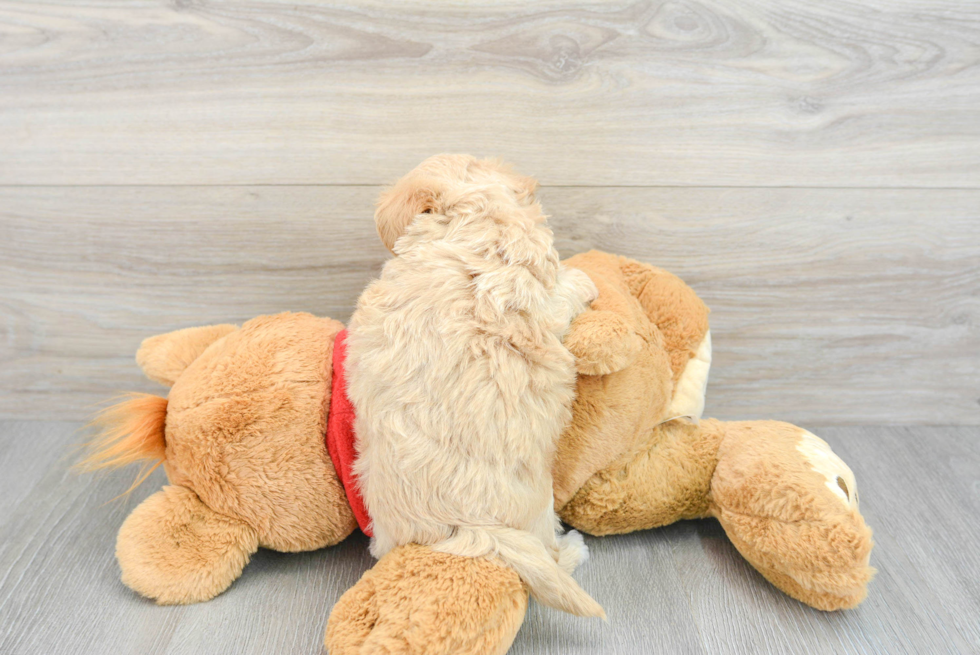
[575, 289]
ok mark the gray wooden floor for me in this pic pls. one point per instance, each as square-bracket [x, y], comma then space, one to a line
[681, 589]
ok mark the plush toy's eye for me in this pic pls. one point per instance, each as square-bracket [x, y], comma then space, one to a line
[427, 211]
[843, 486]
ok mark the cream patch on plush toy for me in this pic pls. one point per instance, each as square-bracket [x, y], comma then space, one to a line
[823, 460]
[693, 383]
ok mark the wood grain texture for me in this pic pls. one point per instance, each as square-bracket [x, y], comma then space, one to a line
[829, 306]
[722, 92]
[680, 589]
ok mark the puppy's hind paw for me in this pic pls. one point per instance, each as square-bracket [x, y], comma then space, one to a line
[572, 551]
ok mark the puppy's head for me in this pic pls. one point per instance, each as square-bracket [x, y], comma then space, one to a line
[435, 184]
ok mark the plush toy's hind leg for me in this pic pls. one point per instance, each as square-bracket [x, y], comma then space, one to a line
[665, 480]
[176, 550]
[790, 506]
[417, 601]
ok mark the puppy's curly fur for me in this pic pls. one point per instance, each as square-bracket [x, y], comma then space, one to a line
[460, 380]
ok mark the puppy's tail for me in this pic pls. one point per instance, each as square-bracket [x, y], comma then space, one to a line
[522, 551]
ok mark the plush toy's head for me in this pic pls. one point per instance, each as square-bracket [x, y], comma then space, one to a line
[241, 437]
[626, 382]
[435, 185]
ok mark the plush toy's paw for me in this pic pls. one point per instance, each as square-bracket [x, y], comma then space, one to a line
[165, 356]
[602, 342]
[790, 506]
[176, 550]
[416, 600]
[572, 551]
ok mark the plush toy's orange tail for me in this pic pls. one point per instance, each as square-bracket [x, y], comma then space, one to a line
[127, 432]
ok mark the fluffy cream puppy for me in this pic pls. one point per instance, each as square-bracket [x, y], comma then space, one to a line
[459, 378]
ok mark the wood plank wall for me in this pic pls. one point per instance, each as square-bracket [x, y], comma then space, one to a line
[812, 169]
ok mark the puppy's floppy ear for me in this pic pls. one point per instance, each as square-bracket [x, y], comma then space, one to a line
[398, 206]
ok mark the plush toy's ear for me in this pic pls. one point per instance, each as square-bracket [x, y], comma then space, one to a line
[164, 357]
[176, 550]
[398, 206]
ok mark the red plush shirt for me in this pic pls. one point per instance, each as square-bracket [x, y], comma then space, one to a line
[340, 434]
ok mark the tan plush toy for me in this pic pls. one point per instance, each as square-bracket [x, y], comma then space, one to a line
[242, 439]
